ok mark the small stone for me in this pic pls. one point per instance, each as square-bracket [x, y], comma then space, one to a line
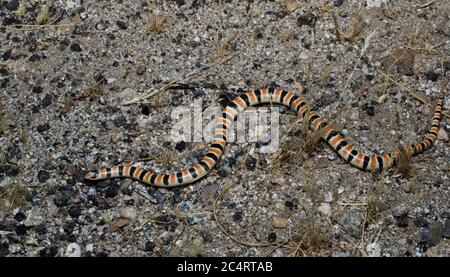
[338, 3]
[290, 205]
[43, 176]
[12, 5]
[272, 237]
[250, 163]
[446, 231]
[237, 216]
[36, 89]
[111, 191]
[122, 24]
[128, 212]
[21, 230]
[90, 247]
[442, 135]
[34, 218]
[370, 110]
[206, 236]
[431, 76]
[402, 222]
[401, 211]
[49, 251]
[308, 19]
[73, 250]
[279, 222]
[61, 200]
[4, 249]
[75, 47]
[373, 250]
[19, 216]
[279, 206]
[149, 246]
[325, 209]
[43, 127]
[47, 101]
[100, 26]
[180, 146]
[192, 220]
[436, 231]
[74, 211]
[351, 222]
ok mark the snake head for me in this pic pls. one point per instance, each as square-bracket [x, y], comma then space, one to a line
[91, 175]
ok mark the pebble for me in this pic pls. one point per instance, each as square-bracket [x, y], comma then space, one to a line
[34, 217]
[73, 250]
[237, 216]
[180, 146]
[401, 211]
[90, 247]
[21, 230]
[74, 211]
[37, 89]
[373, 250]
[75, 47]
[192, 220]
[325, 209]
[12, 5]
[4, 249]
[279, 222]
[43, 176]
[61, 200]
[128, 212]
[250, 163]
[446, 231]
[338, 3]
[149, 246]
[442, 135]
[307, 18]
[351, 222]
[431, 76]
[122, 24]
[20, 216]
[272, 237]
[43, 127]
[435, 233]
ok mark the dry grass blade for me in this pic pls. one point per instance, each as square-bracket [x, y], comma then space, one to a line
[403, 164]
[161, 87]
[355, 28]
[13, 197]
[43, 15]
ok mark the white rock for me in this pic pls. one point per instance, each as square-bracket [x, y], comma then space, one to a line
[73, 250]
[89, 247]
[442, 135]
[128, 212]
[34, 218]
[375, 3]
[373, 250]
[325, 209]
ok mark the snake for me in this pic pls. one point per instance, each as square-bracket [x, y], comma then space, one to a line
[363, 160]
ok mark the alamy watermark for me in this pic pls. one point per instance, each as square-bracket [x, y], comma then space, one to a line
[254, 125]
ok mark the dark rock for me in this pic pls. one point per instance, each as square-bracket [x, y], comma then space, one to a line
[12, 5]
[4, 249]
[122, 24]
[192, 220]
[149, 246]
[75, 47]
[111, 191]
[272, 237]
[20, 216]
[41, 229]
[180, 146]
[74, 211]
[432, 76]
[46, 101]
[370, 110]
[43, 176]
[421, 222]
[307, 18]
[237, 216]
[402, 222]
[180, 2]
[21, 230]
[338, 3]
[36, 89]
[61, 200]
[51, 251]
[43, 127]
[145, 110]
[290, 205]
[206, 236]
[121, 121]
[199, 93]
[250, 163]
[435, 234]
[7, 55]
[159, 197]
[69, 227]
[446, 231]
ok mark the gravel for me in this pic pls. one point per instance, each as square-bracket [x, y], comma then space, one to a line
[62, 88]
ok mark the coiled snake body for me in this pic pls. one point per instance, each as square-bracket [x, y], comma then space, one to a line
[357, 158]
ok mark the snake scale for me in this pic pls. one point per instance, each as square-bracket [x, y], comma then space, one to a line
[357, 158]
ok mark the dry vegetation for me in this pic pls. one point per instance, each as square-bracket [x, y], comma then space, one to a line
[11, 198]
[157, 20]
